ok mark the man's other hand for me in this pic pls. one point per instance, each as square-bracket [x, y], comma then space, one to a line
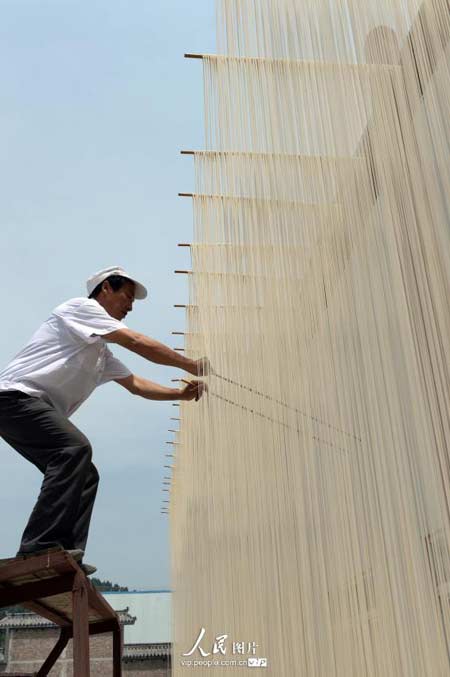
[193, 390]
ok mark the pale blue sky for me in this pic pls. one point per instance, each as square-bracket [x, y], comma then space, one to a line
[96, 102]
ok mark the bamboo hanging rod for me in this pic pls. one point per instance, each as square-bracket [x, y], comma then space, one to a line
[229, 307]
[297, 62]
[251, 247]
[183, 244]
[299, 156]
[263, 200]
[183, 272]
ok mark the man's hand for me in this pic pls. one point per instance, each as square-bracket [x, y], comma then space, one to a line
[201, 367]
[157, 352]
[193, 390]
[154, 391]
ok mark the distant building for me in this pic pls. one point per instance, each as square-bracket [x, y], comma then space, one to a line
[151, 635]
[146, 621]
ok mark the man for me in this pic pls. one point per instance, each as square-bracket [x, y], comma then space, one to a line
[64, 361]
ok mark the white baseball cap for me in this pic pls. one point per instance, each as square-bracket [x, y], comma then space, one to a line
[97, 278]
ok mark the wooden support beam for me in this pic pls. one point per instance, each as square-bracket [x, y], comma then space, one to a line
[80, 606]
[117, 651]
[103, 626]
[42, 609]
[35, 590]
[98, 602]
[65, 635]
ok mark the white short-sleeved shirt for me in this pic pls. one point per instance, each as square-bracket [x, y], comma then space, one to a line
[66, 358]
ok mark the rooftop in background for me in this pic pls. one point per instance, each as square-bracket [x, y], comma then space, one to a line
[29, 619]
[152, 609]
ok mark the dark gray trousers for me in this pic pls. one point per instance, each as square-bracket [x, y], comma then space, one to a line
[63, 454]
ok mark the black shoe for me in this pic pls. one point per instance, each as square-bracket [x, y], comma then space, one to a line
[88, 569]
[76, 554]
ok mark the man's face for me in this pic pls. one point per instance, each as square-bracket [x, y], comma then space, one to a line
[118, 303]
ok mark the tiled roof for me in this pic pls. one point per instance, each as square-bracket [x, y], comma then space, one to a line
[31, 620]
[153, 611]
[136, 652]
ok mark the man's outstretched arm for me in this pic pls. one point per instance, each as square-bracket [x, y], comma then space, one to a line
[137, 385]
[155, 351]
